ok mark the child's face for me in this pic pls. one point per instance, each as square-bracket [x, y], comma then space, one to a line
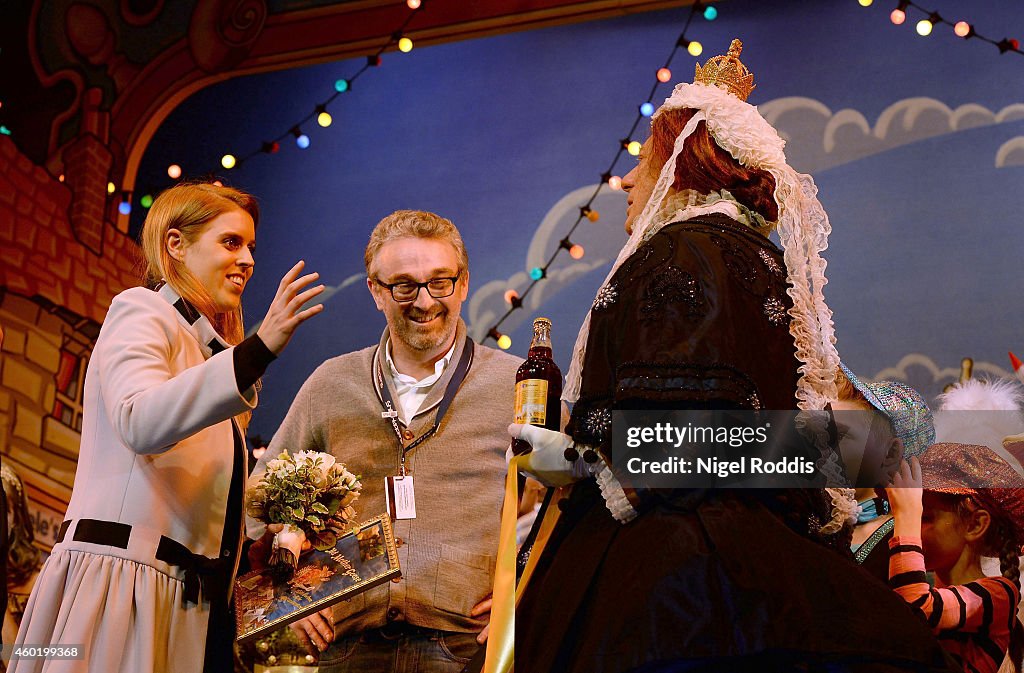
[868, 448]
[942, 533]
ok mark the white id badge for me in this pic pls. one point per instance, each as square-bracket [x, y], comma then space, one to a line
[400, 498]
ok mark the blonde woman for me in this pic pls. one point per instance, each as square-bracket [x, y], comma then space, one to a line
[141, 572]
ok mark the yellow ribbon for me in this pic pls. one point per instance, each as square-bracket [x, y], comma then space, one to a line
[547, 525]
[502, 635]
[506, 595]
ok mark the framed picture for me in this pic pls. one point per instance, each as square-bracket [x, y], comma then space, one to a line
[363, 557]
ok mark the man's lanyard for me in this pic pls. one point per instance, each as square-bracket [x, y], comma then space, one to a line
[390, 414]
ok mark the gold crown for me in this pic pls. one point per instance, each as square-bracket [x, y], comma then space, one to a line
[727, 72]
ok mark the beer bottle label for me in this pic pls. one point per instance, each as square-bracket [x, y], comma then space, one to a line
[532, 401]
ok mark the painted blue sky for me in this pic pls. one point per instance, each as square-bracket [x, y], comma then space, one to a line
[495, 133]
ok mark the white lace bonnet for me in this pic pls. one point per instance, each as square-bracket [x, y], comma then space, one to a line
[718, 94]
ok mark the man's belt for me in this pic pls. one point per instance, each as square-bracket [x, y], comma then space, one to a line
[393, 630]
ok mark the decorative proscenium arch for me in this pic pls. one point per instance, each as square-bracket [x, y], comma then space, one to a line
[231, 38]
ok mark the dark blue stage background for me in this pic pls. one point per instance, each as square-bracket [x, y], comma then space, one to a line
[917, 145]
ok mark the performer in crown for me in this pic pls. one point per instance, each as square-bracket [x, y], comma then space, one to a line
[701, 311]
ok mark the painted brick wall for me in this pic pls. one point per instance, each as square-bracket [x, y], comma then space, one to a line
[54, 291]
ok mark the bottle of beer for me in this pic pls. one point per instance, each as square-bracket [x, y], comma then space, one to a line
[538, 386]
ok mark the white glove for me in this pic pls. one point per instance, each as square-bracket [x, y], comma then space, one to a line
[547, 463]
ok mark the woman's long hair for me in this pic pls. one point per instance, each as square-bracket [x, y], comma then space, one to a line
[705, 167]
[189, 207]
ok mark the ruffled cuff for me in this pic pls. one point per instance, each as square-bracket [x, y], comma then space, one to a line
[844, 510]
[611, 490]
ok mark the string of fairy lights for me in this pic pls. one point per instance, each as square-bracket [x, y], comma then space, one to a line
[926, 25]
[898, 16]
[663, 75]
[302, 139]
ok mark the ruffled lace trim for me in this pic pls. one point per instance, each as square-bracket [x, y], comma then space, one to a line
[614, 496]
[844, 510]
[803, 230]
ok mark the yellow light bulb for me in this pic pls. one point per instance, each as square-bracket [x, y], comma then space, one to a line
[695, 48]
[633, 148]
[324, 119]
[924, 27]
[504, 342]
[228, 161]
[111, 188]
[405, 45]
[865, 3]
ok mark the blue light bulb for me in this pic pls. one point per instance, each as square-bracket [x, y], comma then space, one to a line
[125, 208]
[302, 141]
[536, 273]
[647, 109]
[710, 13]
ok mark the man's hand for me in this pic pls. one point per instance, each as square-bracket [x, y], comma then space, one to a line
[482, 608]
[316, 631]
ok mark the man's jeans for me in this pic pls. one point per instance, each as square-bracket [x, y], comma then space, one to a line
[401, 650]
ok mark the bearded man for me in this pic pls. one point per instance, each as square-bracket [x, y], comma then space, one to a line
[426, 403]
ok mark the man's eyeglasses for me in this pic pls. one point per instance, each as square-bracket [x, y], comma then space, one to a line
[407, 291]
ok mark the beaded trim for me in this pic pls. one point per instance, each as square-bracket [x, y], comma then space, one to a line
[606, 296]
[672, 285]
[597, 422]
[869, 545]
[775, 310]
[769, 261]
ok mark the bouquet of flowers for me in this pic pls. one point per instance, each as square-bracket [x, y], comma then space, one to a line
[312, 495]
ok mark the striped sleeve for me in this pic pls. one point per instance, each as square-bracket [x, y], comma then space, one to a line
[986, 606]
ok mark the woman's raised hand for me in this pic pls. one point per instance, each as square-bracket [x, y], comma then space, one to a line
[284, 315]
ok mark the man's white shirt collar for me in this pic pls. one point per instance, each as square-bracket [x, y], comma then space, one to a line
[411, 392]
[405, 379]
